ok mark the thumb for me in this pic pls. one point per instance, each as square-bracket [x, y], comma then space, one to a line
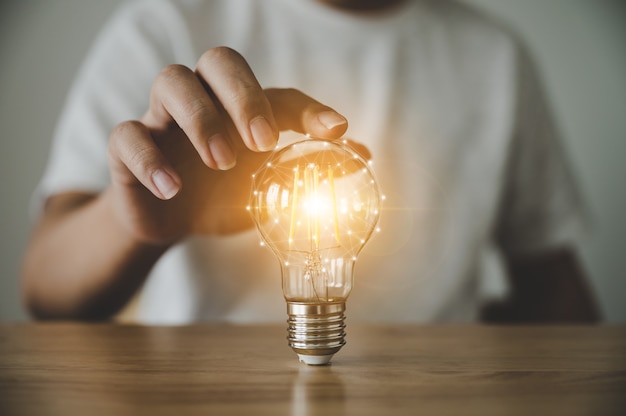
[294, 110]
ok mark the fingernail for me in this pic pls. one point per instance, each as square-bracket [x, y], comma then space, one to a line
[221, 152]
[263, 134]
[165, 184]
[330, 119]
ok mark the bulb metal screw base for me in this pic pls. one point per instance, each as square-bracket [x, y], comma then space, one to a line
[316, 330]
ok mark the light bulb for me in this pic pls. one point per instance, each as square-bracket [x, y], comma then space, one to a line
[315, 203]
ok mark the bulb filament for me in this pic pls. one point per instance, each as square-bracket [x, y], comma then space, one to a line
[310, 201]
[315, 272]
[331, 182]
[294, 205]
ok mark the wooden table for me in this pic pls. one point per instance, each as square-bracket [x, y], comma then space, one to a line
[83, 369]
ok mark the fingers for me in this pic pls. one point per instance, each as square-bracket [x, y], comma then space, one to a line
[297, 111]
[230, 79]
[133, 155]
[221, 104]
[178, 96]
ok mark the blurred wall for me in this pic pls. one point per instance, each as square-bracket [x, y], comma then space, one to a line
[579, 45]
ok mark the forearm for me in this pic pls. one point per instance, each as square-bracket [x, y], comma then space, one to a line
[549, 287]
[84, 264]
[553, 287]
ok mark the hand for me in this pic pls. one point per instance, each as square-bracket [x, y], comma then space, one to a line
[185, 167]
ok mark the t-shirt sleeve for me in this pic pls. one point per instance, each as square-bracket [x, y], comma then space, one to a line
[542, 206]
[112, 85]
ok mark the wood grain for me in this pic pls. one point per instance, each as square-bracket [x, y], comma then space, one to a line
[97, 369]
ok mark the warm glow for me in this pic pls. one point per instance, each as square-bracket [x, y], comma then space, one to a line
[316, 204]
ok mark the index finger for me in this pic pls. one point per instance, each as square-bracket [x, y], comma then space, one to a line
[231, 80]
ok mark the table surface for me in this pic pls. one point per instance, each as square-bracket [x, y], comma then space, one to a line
[93, 369]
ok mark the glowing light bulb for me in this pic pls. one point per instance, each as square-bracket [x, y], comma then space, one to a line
[315, 203]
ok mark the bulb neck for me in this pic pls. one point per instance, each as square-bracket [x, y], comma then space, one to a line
[316, 330]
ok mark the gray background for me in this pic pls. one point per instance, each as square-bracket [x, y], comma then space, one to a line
[579, 45]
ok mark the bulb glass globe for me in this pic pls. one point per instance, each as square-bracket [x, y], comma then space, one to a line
[316, 203]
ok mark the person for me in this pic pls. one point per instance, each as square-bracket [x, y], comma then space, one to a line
[179, 102]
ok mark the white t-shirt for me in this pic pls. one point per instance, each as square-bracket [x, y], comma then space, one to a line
[447, 102]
